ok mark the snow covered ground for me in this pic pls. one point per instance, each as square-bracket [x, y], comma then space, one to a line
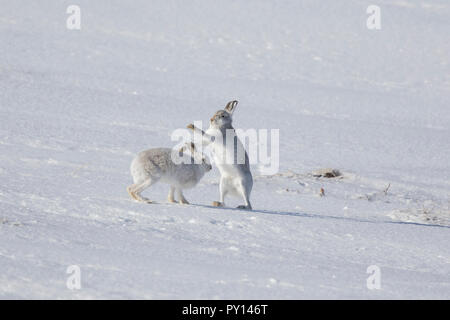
[77, 105]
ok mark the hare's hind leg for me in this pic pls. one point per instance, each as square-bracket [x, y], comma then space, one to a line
[130, 192]
[181, 198]
[135, 190]
[170, 197]
[246, 195]
[223, 192]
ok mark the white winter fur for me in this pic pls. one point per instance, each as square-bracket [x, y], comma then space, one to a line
[153, 165]
[235, 176]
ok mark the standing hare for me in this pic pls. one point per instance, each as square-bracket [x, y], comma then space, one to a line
[154, 165]
[229, 155]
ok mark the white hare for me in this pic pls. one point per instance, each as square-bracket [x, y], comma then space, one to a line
[154, 165]
[229, 155]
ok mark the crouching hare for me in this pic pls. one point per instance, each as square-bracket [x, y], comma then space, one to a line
[229, 155]
[153, 165]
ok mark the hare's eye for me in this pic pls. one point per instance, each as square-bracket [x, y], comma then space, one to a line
[222, 116]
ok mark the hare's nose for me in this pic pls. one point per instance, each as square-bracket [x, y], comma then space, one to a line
[212, 119]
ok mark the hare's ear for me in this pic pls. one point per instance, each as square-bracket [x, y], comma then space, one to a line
[192, 148]
[231, 106]
[182, 150]
[187, 145]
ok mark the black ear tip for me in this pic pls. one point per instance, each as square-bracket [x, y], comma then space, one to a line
[231, 105]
